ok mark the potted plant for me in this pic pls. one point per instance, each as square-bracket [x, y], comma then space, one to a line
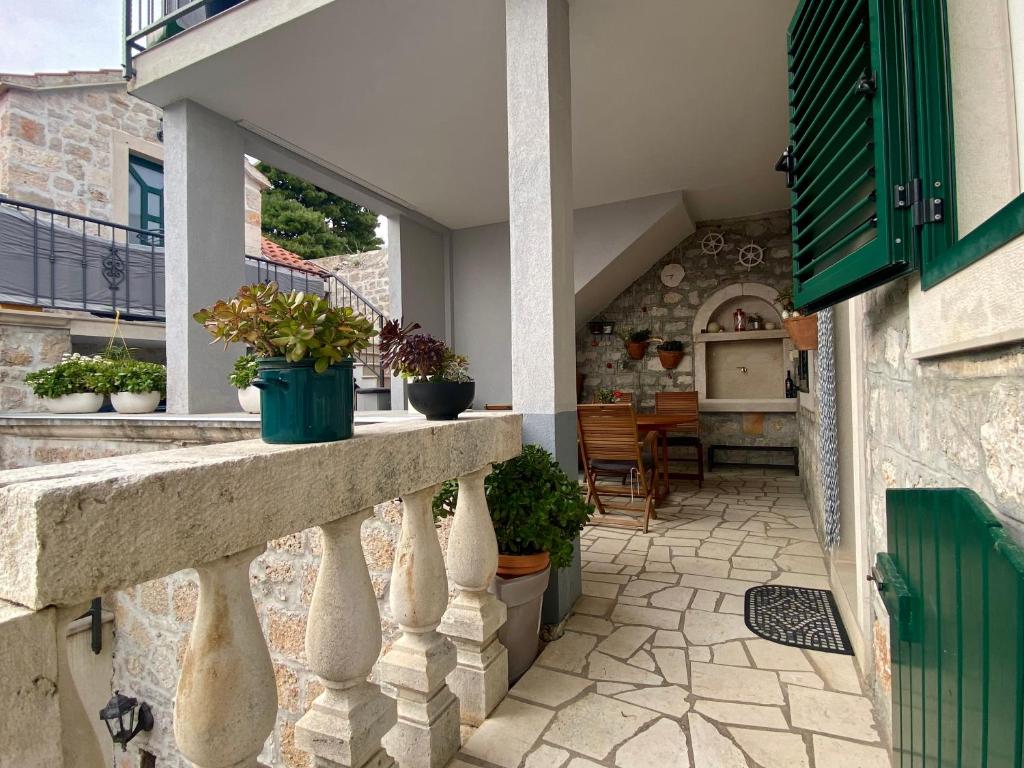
[537, 512]
[242, 375]
[74, 385]
[670, 353]
[608, 396]
[802, 329]
[135, 386]
[304, 348]
[637, 343]
[439, 383]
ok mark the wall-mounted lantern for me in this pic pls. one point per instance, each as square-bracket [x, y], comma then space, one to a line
[125, 717]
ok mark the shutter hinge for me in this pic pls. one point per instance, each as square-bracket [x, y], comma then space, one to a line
[867, 85]
[926, 210]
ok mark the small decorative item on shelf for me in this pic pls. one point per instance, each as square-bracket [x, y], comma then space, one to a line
[739, 320]
[74, 385]
[770, 326]
[637, 343]
[243, 374]
[608, 328]
[601, 327]
[754, 323]
[802, 329]
[670, 354]
[714, 327]
[537, 512]
[304, 348]
[608, 396]
[440, 386]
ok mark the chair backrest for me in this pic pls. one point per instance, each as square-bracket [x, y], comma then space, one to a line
[685, 404]
[608, 432]
[624, 397]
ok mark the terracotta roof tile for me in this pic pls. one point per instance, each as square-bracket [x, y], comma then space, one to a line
[273, 252]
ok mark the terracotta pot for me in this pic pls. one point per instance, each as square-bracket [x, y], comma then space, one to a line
[510, 566]
[803, 330]
[670, 360]
[637, 350]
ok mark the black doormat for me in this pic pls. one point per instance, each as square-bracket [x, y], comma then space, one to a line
[797, 616]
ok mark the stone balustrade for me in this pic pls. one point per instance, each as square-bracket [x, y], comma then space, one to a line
[73, 531]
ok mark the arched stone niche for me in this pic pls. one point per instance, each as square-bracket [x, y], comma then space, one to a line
[741, 372]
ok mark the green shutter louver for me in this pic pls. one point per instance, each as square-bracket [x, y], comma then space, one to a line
[848, 149]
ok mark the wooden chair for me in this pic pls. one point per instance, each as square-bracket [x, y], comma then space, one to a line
[685, 404]
[611, 445]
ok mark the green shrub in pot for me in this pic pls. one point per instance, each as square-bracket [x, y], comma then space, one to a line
[76, 384]
[135, 386]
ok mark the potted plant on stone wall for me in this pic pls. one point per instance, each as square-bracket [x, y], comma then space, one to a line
[440, 386]
[802, 329]
[74, 385]
[637, 343]
[304, 348]
[135, 386]
[670, 353]
[242, 375]
[537, 512]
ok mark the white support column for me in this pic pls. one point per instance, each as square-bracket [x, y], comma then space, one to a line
[475, 615]
[541, 240]
[345, 725]
[226, 702]
[427, 733]
[205, 245]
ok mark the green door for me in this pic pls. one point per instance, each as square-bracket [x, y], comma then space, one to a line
[953, 584]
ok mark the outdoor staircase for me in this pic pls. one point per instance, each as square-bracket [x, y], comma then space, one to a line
[374, 392]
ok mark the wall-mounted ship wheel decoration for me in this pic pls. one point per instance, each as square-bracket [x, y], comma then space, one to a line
[712, 243]
[751, 255]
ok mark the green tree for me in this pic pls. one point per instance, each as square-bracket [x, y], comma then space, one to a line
[311, 222]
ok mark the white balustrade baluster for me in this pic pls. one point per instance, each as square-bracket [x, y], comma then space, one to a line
[345, 725]
[226, 702]
[475, 615]
[427, 732]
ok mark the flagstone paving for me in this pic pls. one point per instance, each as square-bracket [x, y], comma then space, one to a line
[657, 668]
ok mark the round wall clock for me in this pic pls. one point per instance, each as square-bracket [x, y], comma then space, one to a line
[672, 274]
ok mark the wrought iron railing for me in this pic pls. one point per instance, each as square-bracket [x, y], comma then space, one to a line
[62, 260]
[150, 21]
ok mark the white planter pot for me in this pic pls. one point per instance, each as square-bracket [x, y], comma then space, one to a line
[249, 399]
[80, 402]
[133, 402]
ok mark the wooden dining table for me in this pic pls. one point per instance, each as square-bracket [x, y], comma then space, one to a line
[663, 424]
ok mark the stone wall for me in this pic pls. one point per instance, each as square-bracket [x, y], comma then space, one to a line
[57, 145]
[25, 348]
[367, 272]
[670, 313]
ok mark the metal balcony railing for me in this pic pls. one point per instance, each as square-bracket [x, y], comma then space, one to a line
[147, 22]
[60, 260]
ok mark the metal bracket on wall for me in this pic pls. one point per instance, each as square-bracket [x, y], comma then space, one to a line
[95, 615]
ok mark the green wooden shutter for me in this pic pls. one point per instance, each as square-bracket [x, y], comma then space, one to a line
[849, 148]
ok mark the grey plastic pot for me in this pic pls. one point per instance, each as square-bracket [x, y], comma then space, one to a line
[522, 596]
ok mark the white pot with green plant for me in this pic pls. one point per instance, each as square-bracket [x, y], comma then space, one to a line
[136, 386]
[246, 369]
[74, 385]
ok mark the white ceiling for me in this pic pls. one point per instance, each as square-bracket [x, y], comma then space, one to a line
[409, 97]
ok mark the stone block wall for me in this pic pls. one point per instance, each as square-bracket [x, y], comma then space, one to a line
[23, 349]
[367, 272]
[670, 313]
[57, 145]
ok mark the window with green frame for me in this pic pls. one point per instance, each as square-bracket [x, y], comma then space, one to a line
[145, 193]
[882, 94]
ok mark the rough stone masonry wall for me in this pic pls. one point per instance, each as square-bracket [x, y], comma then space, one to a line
[24, 349]
[670, 312]
[956, 421]
[57, 145]
[367, 272]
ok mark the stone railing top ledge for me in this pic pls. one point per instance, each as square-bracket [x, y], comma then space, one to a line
[76, 530]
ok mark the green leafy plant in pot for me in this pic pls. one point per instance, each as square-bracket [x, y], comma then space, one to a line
[304, 350]
[74, 385]
[135, 386]
[637, 343]
[440, 386]
[670, 354]
[538, 512]
[242, 376]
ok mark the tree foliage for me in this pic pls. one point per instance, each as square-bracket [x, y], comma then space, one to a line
[311, 222]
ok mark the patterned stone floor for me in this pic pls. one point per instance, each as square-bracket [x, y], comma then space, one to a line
[657, 669]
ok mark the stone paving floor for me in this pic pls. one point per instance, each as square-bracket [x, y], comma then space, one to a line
[657, 669]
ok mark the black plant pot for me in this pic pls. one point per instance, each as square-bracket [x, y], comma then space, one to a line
[441, 400]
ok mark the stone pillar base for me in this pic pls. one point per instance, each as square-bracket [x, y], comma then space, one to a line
[344, 727]
[480, 680]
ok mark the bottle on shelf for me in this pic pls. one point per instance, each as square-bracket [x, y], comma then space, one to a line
[790, 386]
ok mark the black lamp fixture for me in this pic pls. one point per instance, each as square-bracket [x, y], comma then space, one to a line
[125, 717]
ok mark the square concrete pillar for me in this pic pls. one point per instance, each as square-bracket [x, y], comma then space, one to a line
[541, 241]
[204, 250]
